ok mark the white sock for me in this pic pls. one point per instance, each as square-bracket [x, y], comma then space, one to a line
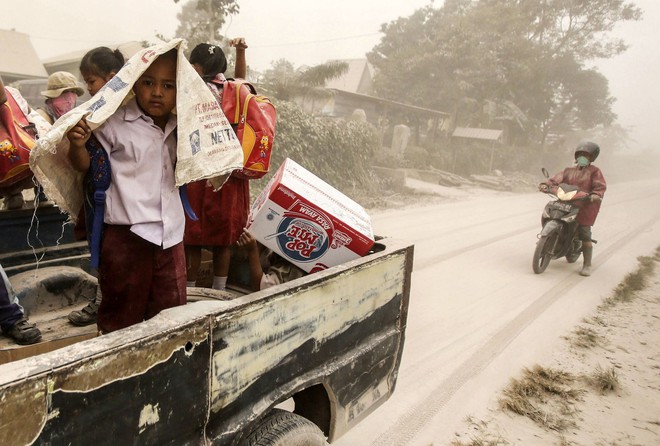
[191, 283]
[219, 283]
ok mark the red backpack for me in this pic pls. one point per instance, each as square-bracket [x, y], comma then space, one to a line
[253, 118]
[17, 138]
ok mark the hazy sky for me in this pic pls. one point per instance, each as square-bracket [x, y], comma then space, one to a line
[313, 31]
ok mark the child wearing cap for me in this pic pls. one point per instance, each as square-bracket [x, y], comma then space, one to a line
[61, 95]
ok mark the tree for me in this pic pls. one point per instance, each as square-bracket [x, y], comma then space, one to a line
[340, 152]
[510, 59]
[283, 81]
[577, 28]
[200, 21]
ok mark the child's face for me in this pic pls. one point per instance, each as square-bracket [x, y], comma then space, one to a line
[155, 90]
[95, 82]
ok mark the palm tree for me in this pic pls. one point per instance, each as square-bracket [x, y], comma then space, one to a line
[284, 82]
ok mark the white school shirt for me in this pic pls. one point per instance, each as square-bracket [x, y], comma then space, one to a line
[142, 192]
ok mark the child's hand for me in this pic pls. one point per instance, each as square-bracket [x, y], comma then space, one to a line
[238, 43]
[246, 240]
[79, 134]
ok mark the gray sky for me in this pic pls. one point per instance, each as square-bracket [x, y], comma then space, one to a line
[313, 31]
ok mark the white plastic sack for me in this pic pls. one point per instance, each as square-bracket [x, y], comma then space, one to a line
[207, 147]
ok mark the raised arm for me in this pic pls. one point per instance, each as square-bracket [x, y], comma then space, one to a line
[240, 69]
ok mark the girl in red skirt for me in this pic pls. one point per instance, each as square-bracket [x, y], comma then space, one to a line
[222, 215]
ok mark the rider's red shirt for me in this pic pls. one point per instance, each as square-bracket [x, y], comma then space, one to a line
[589, 179]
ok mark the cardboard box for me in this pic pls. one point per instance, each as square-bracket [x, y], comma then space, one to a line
[308, 222]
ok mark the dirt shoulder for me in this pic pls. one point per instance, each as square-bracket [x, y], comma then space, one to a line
[601, 388]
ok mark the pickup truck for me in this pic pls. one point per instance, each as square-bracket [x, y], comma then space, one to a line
[49, 239]
[299, 363]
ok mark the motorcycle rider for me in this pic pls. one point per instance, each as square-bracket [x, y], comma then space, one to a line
[587, 178]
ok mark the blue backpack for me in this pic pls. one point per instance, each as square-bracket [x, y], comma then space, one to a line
[96, 183]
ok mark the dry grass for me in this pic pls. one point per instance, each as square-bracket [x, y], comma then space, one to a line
[633, 282]
[481, 442]
[596, 320]
[546, 396]
[585, 337]
[480, 436]
[604, 380]
[550, 397]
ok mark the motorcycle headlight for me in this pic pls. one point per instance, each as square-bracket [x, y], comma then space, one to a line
[565, 196]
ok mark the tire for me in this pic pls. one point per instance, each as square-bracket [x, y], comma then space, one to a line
[573, 257]
[541, 258]
[282, 428]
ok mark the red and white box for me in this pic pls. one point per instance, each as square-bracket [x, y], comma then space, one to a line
[308, 222]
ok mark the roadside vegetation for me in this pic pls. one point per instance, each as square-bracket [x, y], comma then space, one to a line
[553, 398]
[544, 395]
[633, 282]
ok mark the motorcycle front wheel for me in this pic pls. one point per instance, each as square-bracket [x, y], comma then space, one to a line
[541, 258]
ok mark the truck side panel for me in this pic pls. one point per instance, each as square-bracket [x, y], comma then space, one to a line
[155, 389]
[343, 331]
[211, 369]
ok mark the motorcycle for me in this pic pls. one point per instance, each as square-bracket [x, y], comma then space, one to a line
[559, 234]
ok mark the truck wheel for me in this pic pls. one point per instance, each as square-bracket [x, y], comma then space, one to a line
[282, 428]
[541, 258]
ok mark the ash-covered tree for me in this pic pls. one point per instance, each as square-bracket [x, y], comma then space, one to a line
[521, 62]
[200, 21]
[283, 81]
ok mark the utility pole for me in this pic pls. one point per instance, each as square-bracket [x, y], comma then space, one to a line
[209, 10]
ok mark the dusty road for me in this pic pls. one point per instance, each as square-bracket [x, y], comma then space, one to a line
[478, 313]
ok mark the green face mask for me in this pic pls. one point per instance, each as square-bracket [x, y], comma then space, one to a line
[582, 161]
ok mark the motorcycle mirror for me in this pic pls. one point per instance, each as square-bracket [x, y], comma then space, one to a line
[545, 172]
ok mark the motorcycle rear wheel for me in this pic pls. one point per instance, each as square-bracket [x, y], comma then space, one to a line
[541, 258]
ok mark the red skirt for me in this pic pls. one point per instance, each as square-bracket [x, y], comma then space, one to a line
[222, 215]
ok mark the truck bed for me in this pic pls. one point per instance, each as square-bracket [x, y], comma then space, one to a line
[49, 294]
[211, 370]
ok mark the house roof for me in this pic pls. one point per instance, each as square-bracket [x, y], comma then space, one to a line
[477, 133]
[357, 78]
[394, 104]
[18, 57]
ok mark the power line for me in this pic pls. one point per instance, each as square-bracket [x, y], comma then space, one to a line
[317, 41]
